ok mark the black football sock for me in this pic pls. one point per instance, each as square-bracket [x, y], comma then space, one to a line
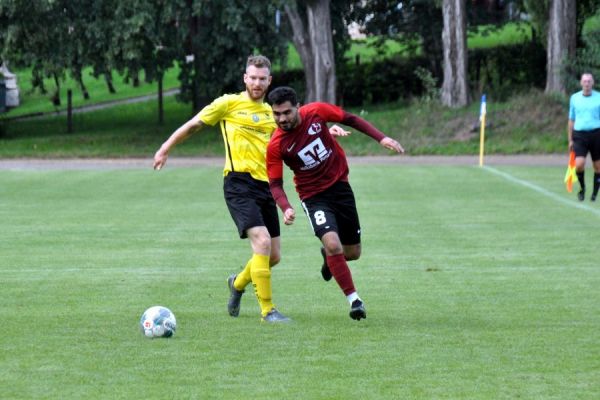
[596, 183]
[581, 179]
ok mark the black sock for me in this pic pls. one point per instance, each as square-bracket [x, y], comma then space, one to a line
[581, 179]
[596, 182]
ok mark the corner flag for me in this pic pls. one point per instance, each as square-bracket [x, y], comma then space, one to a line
[571, 175]
[482, 113]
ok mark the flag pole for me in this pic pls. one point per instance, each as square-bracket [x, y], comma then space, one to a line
[571, 175]
[482, 113]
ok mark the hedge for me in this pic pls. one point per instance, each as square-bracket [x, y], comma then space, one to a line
[497, 71]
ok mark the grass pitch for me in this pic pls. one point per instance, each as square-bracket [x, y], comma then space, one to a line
[479, 284]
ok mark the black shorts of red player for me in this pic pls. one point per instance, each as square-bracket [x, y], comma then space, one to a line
[250, 203]
[334, 210]
[587, 141]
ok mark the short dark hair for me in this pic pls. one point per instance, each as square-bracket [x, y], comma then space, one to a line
[259, 62]
[282, 94]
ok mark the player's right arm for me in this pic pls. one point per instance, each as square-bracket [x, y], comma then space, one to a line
[181, 134]
[571, 123]
[570, 133]
[275, 173]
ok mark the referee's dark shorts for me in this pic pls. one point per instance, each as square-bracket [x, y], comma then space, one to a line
[250, 203]
[587, 141]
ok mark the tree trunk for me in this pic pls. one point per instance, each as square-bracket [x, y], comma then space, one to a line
[561, 42]
[315, 47]
[79, 78]
[455, 91]
[56, 97]
[301, 42]
[109, 82]
[37, 80]
[319, 28]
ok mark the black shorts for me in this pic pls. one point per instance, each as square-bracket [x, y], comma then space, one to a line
[250, 203]
[587, 141]
[334, 210]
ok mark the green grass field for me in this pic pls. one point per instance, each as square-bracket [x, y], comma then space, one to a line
[480, 283]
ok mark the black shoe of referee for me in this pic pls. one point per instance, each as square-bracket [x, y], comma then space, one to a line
[581, 195]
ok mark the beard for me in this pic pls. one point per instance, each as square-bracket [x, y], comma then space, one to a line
[256, 93]
[289, 125]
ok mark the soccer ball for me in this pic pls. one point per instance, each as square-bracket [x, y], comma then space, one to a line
[158, 321]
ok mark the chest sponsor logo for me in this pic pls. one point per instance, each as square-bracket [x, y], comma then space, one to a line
[314, 154]
[255, 118]
[314, 129]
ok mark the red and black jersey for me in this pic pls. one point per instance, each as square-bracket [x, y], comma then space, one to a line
[310, 151]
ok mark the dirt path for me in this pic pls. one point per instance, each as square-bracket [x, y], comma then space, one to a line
[176, 162]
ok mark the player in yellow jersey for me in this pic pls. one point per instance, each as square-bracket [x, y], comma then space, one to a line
[246, 124]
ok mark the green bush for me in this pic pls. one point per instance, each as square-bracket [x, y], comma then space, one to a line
[497, 71]
[503, 70]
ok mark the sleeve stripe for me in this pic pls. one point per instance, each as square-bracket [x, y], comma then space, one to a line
[224, 127]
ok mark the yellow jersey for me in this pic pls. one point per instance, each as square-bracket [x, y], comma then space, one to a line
[246, 126]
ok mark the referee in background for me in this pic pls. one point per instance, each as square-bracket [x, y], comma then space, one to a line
[584, 132]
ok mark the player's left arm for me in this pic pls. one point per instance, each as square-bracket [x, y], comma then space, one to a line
[336, 130]
[368, 129]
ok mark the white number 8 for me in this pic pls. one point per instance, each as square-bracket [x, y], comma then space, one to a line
[320, 218]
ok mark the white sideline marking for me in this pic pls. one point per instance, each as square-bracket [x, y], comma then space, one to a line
[543, 191]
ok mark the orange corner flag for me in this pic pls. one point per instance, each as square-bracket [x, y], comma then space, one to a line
[571, 175]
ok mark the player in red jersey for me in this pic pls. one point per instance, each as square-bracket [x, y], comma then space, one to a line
[302, 141]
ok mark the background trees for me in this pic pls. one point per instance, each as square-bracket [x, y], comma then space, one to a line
[415, 24]
[209, 41]
[218, 36]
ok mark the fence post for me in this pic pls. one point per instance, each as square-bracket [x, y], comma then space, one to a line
[69, 111]
[160, 100]
[2, 96]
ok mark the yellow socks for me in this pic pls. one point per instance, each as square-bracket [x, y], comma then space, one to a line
[243, 278]
[260, 272]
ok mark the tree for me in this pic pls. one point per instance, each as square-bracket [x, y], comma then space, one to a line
[417, 25]
[561, 42]
[139, 36]
[217, 38]
[454, 88]
[29, 43]
[54, 38]
[552, 18]
[312, 37]
[147, 39]
[101, 25]
[587, 60]
[585, 9]
[537, 10]
[403, 22]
